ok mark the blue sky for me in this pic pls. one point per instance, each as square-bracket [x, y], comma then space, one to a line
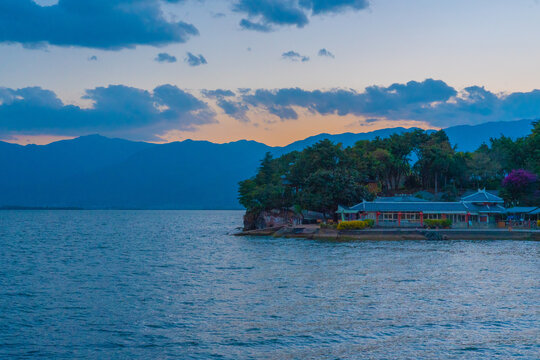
[413, 63]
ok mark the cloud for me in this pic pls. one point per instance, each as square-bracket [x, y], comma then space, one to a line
[234, 109]
[116, 110]
[195, 60]
[100, 24]
[324, 52]
[164, 57]
[333, 6]
[263, 15]
[294, 56]
[374, 100]
[283, 112]
[218, 93]
[250, 25]
[431, 101]
[270, 12]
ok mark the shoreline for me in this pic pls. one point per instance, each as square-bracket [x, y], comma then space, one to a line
[391, 234]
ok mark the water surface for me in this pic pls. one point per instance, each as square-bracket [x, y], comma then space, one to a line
[174, 284]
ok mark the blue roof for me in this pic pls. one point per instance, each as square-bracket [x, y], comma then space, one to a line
[521, 209]
[473, 204]
[404, 198]
[482, 196]
[492, 209]
[345, 210]
[426, 207]
[419, 206]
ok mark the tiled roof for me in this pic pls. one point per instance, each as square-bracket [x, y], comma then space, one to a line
[346, 210]
[493, 209]
[426, 207]
[521, 209]
[482, 196]
[405, 198]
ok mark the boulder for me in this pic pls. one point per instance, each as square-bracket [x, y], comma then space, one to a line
[270, 218]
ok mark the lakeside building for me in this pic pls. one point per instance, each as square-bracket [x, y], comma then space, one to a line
[481, 209]
[523, 213]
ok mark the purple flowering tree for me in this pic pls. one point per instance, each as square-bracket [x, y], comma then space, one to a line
[520, 187]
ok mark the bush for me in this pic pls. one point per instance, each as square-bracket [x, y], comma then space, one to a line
[439, 223]
[355, 225]
[538, 223]
[328, 226]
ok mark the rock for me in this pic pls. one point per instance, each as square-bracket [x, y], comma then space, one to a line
[271, 218]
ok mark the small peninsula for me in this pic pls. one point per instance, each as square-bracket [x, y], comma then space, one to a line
[412, 185]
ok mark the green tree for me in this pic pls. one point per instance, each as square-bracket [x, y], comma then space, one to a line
[483, 170]
[435, 160]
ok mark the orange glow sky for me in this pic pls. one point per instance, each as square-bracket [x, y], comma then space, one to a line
[269, 130]
[491, 44]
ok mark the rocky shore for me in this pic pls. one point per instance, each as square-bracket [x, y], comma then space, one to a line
[316, 233]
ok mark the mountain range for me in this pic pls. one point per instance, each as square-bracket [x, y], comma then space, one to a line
[96, 172]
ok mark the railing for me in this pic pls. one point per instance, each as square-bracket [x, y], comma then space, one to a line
[525, 224]
[461, 225]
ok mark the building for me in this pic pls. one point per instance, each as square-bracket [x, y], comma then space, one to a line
[479, 209]
[523, 213]
[535, 213]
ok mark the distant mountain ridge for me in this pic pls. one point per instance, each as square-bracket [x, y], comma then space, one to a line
[466, 137]
[96, 172]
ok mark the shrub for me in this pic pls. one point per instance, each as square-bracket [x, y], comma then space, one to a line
[328, 226]
[355, 225]
[538, 223]
[438, 223]
[370, 222]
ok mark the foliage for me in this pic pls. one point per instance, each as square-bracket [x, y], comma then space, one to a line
[355, 225]
[328, 226]
[319, 179]
[520, 186]
[437, 223]
[326, 175]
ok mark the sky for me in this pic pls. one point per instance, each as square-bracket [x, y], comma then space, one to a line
[273, 71]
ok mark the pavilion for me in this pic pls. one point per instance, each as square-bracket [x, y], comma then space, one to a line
[481, 208]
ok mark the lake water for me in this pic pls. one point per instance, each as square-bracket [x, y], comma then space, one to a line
[174, 284]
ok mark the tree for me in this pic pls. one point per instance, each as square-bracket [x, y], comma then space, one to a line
[533, 149]
[326, 189]
[436, 158]
[506, 153]
[482, 168]
[519, 187]
[266, 190]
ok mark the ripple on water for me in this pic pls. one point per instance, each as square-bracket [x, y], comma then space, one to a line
[172, 284]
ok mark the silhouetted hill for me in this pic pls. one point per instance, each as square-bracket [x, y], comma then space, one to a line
[466, 137]
[347, 139]
[470, 137]
[180, 175]
[64, 158]
[98, 172]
